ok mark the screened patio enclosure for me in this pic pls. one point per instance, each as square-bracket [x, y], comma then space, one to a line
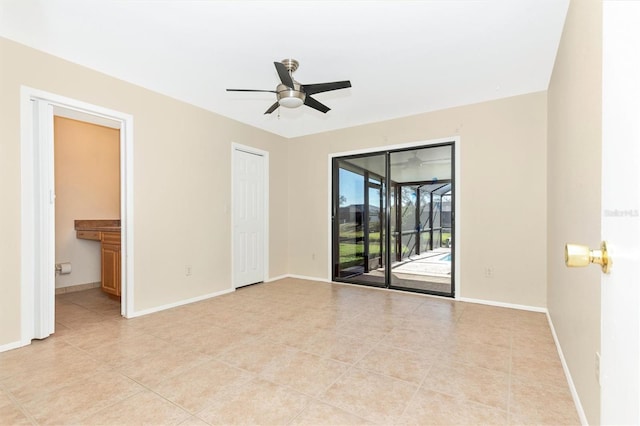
[423, 218]
[395, 208]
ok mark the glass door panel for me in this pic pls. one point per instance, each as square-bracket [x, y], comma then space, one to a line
[421, 177]
[349, 227]
[359, 208]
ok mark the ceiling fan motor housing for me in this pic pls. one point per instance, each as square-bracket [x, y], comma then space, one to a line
[290, 98]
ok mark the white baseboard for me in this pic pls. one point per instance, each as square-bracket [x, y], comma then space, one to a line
[77, 287]
[13, 345]
[304, 277]
[462, 299]
[180, 303]
[504, 305]
[567, 373]
[279, 277]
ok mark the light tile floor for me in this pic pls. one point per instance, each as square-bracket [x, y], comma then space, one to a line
[289, 352]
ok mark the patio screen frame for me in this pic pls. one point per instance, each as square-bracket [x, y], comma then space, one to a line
[418, 229]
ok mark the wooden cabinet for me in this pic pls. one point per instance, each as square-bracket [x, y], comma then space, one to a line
[89, 235]
[110, 253]
[108, 233]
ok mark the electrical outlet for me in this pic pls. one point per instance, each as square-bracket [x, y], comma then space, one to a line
[598, 367]
[488, 272]
[187, 270]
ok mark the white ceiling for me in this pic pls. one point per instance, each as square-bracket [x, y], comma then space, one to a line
[402, 57]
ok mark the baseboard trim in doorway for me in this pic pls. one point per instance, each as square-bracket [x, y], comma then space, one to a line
[180, 303]
[567, 373]
[503, 305]
[13, 345]
[76, 288]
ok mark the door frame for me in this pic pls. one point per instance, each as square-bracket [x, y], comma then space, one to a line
[235, 147]
[457, 196]
[37, 286]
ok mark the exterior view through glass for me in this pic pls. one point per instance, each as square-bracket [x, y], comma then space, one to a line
[395, 208]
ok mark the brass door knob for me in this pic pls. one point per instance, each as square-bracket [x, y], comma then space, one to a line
[576, 255]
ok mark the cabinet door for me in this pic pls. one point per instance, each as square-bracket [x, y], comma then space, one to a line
[111, 269]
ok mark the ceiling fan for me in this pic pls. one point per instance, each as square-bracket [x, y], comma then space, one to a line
[291, 94]
[415, 161]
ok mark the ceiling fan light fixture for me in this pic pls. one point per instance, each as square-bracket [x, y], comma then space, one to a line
[290, 98]
[291, 94]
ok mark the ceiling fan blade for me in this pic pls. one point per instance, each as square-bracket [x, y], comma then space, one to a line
[272, 108]
[285, 77]
[310, 102]
[311, 89]
[250, 90]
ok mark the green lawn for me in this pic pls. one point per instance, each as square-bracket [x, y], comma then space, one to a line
[352, 253]
[352, 250]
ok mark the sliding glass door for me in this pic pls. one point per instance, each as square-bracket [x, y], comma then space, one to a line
[395, 209]
[359, 246]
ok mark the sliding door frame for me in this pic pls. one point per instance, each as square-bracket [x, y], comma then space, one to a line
[333, 245]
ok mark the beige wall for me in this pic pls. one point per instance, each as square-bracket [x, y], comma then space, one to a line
[502, 214]
[574, 173]
[182, 188]
[87, 179]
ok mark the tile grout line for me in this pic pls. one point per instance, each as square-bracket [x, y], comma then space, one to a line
[18, 405]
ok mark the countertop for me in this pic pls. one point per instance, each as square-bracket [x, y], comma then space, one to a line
[104, 225]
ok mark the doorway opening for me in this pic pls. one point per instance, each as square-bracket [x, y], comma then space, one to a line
[38, 263]
[87, 218]
[395, 208]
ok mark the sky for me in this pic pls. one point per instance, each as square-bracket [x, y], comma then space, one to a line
[351, 186]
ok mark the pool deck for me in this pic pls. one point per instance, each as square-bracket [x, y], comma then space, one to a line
[425, 264]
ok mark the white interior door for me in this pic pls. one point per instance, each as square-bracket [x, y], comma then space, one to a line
[620, 356]
[248, 217]
[44, 223]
